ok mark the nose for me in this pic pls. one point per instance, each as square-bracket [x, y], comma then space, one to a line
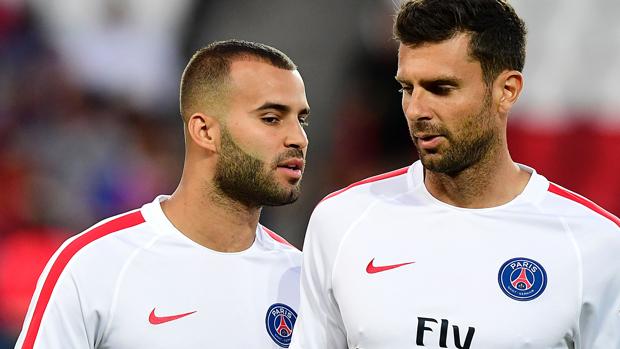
[296, 137]
[416, 105]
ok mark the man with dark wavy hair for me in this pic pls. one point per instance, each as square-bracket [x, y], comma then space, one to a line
[465, 248]
[195, 269]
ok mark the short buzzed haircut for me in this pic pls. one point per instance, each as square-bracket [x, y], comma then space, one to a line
[497, 34]
[206, 79]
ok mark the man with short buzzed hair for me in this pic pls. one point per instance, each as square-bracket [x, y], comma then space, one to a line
[195, 269]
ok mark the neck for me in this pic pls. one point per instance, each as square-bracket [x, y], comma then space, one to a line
[491, 182]
[212, 220]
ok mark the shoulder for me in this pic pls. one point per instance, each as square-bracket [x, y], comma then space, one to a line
[100, 247]
[278, 243]
[339, 210]
[82, 259]
[579, 211]
[358, 194]
[596, 232]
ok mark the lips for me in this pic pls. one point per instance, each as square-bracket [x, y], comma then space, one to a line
[428, 140]
[292, 168]
[425, 136]
[293, 164]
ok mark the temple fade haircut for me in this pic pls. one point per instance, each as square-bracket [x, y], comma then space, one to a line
[497, 34]
[206, 78]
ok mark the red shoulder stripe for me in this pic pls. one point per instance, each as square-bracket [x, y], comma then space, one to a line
[277, 237]
[369, 180]
[120, 223]
[556, 189]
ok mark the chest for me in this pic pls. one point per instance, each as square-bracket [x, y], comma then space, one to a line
[202, 303]
[457, 281]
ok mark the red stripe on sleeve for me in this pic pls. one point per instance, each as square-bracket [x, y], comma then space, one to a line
[278, 238]
[120, 223]
[556, 189]
[369, 180]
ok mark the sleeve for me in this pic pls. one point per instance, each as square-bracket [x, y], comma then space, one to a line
[319, 325]
[599, 321]
[55, 319]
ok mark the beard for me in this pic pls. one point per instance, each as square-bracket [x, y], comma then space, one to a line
[474, 142]
[247, 180]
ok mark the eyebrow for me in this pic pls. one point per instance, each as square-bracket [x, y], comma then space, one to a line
[440, 80]
[281, 108]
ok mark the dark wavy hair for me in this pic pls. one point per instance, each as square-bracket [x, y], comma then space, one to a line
[497, 34]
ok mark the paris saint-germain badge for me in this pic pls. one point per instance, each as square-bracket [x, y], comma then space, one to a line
[522, 279]
[280, 321]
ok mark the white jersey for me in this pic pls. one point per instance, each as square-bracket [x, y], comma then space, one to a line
[135, 281]
[386, 265]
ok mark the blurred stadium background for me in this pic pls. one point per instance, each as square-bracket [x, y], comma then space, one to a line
[89, 125]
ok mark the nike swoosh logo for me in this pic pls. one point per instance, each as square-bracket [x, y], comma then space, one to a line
[156, 320]
[372, 269]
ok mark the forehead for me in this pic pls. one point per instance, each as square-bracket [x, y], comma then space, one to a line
[435, 60]
[255, 82]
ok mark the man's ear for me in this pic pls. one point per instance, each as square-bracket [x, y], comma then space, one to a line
[508, 87]
[204, 131]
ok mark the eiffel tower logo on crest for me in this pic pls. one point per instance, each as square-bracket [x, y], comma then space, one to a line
[283, 329]
[522, 282]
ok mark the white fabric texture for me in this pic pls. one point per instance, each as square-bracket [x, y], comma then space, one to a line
[386, 265]
[121, 290]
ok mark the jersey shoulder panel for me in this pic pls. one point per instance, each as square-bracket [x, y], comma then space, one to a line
[87, 250]
[278, 241]
[596, 232]
[337, 212]
[340, 208]
[67, 256]
[112, 241]
[577, 208]
[388, 183]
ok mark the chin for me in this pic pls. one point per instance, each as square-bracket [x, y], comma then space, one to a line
[431, 161]
[285, 199]
[437, 163]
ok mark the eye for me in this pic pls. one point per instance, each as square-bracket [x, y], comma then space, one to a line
[405, 90]
[270, 119]
[303, 120]
[441, 90]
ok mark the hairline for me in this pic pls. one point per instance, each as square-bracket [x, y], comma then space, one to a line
[225, 84]
[486, 74]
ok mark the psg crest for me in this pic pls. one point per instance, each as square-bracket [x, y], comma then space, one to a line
[522, 279]
[280, 320]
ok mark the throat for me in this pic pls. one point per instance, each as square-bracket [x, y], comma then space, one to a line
[215, 226]
[478, 187]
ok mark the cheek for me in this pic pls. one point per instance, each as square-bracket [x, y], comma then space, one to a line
[404, 104]
[479, 122]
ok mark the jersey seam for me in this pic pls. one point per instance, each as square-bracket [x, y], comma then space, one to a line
[370, 180]
[54, 294]
[80, 302]
[346, 235]
[354, 224]
[277, 245]
[119, 280]
[49, 272]
[45, 273]
[597, 210]
[578, 255]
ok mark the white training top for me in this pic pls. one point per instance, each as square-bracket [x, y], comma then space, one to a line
[135, 281]
[386, 265]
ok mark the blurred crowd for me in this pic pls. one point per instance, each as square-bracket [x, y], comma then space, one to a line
[89, 123]
[71, 153]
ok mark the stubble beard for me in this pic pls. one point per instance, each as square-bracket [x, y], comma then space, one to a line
[463, 150]
[247, 180]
